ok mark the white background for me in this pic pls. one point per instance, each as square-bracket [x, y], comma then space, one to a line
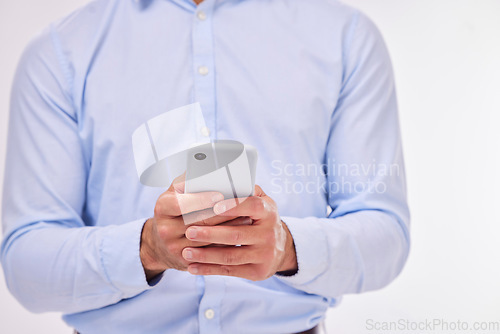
[446, 55]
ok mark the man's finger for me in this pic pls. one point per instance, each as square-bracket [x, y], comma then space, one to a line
[178, 183]
[225, 235]
[174, 204]
[254, 207]
[259, 192]
[220, 255]
[198, 201]
[237, 221]
[248, 271]
[189, 243]
[207, 217]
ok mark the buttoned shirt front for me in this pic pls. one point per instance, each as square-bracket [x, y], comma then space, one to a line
[308, 83]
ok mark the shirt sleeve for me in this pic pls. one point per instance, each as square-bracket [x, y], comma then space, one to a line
[52, 261]
[364, 243]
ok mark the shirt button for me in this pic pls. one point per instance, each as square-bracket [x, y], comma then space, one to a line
[201, 15]
[205, 131]
[209, 314]
[203, 70]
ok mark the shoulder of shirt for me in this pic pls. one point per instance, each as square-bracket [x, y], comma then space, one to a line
[83, 24]
[77, 30]
[67, 40]
[343, 14]
[359, 22]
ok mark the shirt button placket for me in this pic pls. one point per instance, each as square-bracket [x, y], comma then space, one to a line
[204, 92]
[209, 314]
[201, 15]
[203, 64]
[203, 70]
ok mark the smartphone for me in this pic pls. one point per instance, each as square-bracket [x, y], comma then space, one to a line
[226, 166]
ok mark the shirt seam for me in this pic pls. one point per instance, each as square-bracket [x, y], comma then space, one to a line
[103, 266]
[63, 64]
[347, 50]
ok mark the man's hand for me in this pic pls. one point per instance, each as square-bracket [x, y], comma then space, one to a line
[163, 236]
[255, 252]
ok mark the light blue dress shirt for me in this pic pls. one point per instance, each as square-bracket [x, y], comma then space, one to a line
[308, 83]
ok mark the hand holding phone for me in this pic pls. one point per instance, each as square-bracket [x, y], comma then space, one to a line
[225, 166]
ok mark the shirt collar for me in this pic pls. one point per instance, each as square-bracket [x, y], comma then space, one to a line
[187, 4]
[183, 3]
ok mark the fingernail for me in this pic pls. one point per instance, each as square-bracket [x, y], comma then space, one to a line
[193, 269]
[217, 197]
[219, 208]
[188, 254]
[191, 232]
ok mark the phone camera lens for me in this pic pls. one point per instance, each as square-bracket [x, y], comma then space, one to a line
[200, 156]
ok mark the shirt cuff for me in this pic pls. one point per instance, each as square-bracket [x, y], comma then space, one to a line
[311, 247]
[120, 256]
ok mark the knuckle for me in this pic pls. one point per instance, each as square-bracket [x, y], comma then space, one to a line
[270, 257]
[163, 232]
[195, 217]
[236, 236]
[183, 265]
[166, 204]
[173, 205]
[199, 201]
[158, 209]
[172, 248]
[262, 273]
[257, 204]
[203, 221]
[229, 258]
[199, 256]
[267, 256]
[269, 238]
[254, 275]
[204, 233]
[225, 270]
[205, 270]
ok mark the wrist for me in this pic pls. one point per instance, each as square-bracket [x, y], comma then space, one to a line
[149, 259]
[289, 264]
